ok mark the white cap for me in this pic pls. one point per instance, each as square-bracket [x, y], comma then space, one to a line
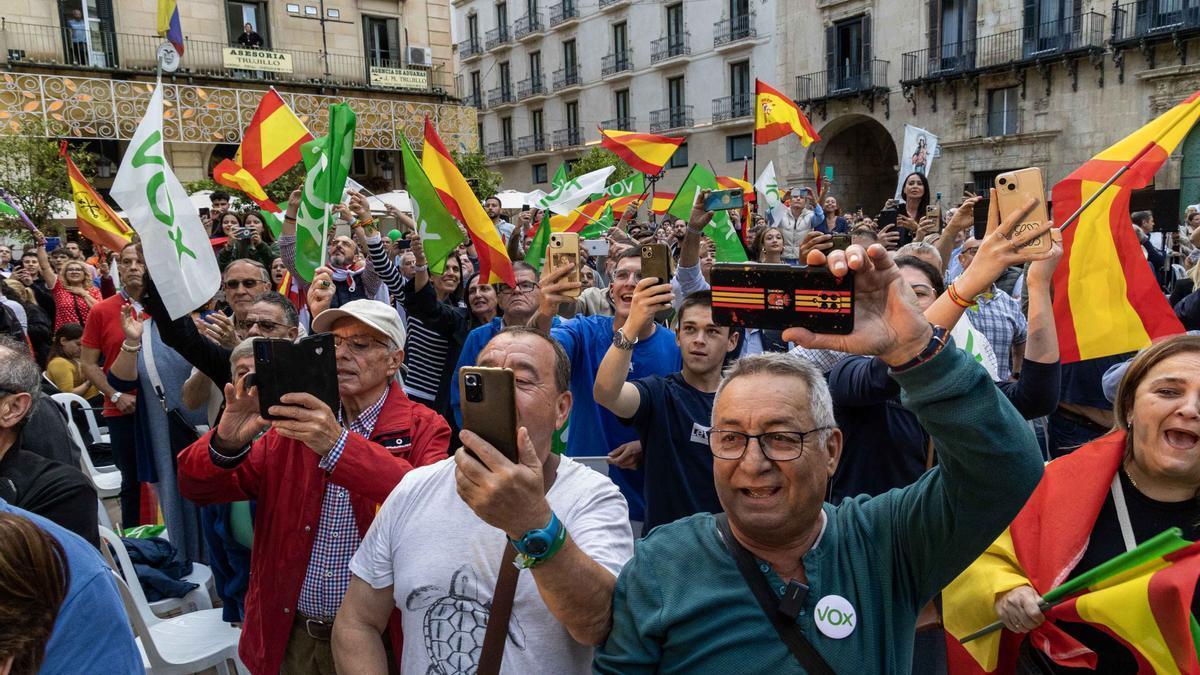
[378, 315]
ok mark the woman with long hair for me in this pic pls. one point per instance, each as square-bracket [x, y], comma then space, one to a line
[769, 244]
[248, 238]
[38, 324]
[34, 578]
[63, 365]
[73, 290]
[914, 198]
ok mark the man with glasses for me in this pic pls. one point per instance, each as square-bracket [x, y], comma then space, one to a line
[595, 431]
[783, 579]
[999, 317]
[351, 457]
[517, 304]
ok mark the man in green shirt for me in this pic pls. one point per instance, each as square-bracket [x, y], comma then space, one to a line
[868, 565]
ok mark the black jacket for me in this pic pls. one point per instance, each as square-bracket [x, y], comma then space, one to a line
[52, 490]
[181, 335]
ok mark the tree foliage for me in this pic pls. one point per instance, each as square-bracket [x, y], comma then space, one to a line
[36, 178]
[278, 191]
[599, 158]
[483, 181]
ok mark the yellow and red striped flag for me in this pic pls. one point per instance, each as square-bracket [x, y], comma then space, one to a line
[661, 202]
[731, 183]
[1106, 298]
[95, 218]
[647, 153]
[270, 146]
[577, 220]
[494, 263]
[776, 116]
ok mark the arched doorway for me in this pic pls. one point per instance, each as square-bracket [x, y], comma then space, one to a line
[864, 161]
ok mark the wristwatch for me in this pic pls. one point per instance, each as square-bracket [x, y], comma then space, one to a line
[537, 546]
[621, 342]
[116, 396]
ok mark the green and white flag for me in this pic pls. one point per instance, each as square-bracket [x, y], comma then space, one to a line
[632, 186]
[175, 243]
[437, 228]
[327, 160]
[568, 196]
[720, 229]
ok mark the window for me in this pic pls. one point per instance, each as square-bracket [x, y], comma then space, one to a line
[620, 38]
[537, 126]
[739, 8]
[621, 107]
[359, 162]
[738, 147]
[952, 24]
[100, 45]
[739, 89]
[506, 134]
[479, 128]
[531, 9]
[502, 17]
[572, 115]
[569, 60]
[679, 160]
[675, 24]
[505, 80]
[382, 40]
[476, 88]
[1002, 112]
[541, 174]
[1049, 24]
[240, 13]
[535, 70]
[473, 29]
[675, 94]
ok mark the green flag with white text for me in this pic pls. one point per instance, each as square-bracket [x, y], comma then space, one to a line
[435, 226]
[537, 246]
[720, 229]
[327, 160]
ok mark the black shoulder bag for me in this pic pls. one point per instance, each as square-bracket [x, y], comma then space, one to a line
[777, 612]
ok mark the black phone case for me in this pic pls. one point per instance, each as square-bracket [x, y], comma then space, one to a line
[761, 295]
[283, 367]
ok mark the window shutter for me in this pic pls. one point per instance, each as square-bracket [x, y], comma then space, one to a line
[831, 55]
[935, 15]
[866, 78]
[393, 33]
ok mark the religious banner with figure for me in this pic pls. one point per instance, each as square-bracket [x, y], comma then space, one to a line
[916, 155]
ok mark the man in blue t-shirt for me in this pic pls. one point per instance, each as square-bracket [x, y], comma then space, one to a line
[593, 430]
[671, 413]
[91, 633]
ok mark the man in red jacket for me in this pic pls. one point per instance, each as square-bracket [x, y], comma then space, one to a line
[319, 476]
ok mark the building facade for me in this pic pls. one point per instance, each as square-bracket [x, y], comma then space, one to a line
[83, 69]
[1003, 84]
[546, 76]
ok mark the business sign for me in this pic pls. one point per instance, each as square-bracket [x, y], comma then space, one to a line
[402, 78]
[237, 58]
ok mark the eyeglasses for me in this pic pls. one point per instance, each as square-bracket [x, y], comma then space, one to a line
[970, 251]
[523, 287]
[358, 344]
[627, 276]
[263, 326]
[248, 284]
[777, 446]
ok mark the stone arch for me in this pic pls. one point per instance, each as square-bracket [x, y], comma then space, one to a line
[863, 155]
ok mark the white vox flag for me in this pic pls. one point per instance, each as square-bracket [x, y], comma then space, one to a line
[772, 193]
[175, 244]
[568, 196]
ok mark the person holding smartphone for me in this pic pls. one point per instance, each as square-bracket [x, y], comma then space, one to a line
[803, 214]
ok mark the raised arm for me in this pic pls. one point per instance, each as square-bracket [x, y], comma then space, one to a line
[611, 390]
[554, 283]
[963, 218]
[44, 266]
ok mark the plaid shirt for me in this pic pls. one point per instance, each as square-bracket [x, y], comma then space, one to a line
[998, 316]
[328, 574]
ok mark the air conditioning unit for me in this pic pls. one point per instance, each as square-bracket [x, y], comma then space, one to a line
[420, 56]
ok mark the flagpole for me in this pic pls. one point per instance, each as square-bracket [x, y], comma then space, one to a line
[1115, 177]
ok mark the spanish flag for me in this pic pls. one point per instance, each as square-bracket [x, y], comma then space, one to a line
[168, 24]
[95, 218]
[1106, 298]
[731, 183]
[647, 153]
[661, 202]
[452, 188]
[1144, 603]
[270, 146]
[776, 116]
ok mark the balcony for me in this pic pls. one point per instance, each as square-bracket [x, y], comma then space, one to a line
[534, 87]
[733, 32]
[1154, 22]
[617, 64]
[620, 124]
[670, 119]
[564, 14]
[532, 144]
[501, 96]
[528, 27]
[498, 150]
[475, 100]
[568, 138]
[470, 49]
[50, 46]
[566, 78]
[498, 38]
[609, 5]
[729, 108]
[1003, 51]
[850, 80]
[671, 47]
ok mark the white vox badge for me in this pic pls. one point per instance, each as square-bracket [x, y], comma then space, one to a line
[835, 617]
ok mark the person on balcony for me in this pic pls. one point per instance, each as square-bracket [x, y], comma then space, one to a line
[77, 31]
[250, 39]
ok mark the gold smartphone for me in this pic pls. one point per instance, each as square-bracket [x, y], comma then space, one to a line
[489, 407]
[657, 262]
[934, 212]
[564, 248]
[1013, 190]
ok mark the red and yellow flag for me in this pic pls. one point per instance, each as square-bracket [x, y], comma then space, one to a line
[661, 202]
[1106, 298]
[270, 146]
[95, 218]
[730, 183]
[776, 116]
[647, 153]
[581, 217]
[231, 174]
[456, 194]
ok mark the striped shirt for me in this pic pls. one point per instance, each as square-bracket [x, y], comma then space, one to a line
[328, 574]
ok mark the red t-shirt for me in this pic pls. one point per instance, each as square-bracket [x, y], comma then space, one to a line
[70, 308]
[103, 332]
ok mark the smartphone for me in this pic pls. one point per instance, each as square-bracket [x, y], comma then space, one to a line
[775, 296]
[564, 248]
[596, 248]
[980, 220]
[657, 263]
[489, 407]
[886, 217]
[841, 242]
[282, 367]
[1013, 190]
[524, 207]
[829, 173]
[968, 189]
[724, 200]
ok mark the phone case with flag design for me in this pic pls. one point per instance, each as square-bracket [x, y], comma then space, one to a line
[758, 295]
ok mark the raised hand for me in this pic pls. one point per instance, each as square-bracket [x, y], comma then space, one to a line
[320, 293]
[240, 422]
[649, 296]
[131, 323]
[815, 241]
[889, 236]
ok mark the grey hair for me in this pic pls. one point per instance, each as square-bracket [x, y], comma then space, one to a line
[19, 372]
[242, 350]
[266, 275]
[820, 402]
[915, 248]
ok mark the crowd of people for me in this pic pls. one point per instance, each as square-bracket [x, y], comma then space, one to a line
[639, 528]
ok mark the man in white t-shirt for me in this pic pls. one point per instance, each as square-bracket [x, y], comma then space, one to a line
[436, 547]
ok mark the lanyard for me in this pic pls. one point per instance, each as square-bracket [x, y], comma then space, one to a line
[1118, 493]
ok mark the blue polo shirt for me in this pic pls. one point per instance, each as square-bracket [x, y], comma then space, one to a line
[594, 430]
[474, 344]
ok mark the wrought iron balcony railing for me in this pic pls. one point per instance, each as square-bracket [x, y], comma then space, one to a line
[668, 119]
[848, 80]
[733, 107]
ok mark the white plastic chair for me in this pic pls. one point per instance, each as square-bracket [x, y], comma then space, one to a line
[106, 480]
[189, 643]
[67, 399]
[599, 463]
[197, 600]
